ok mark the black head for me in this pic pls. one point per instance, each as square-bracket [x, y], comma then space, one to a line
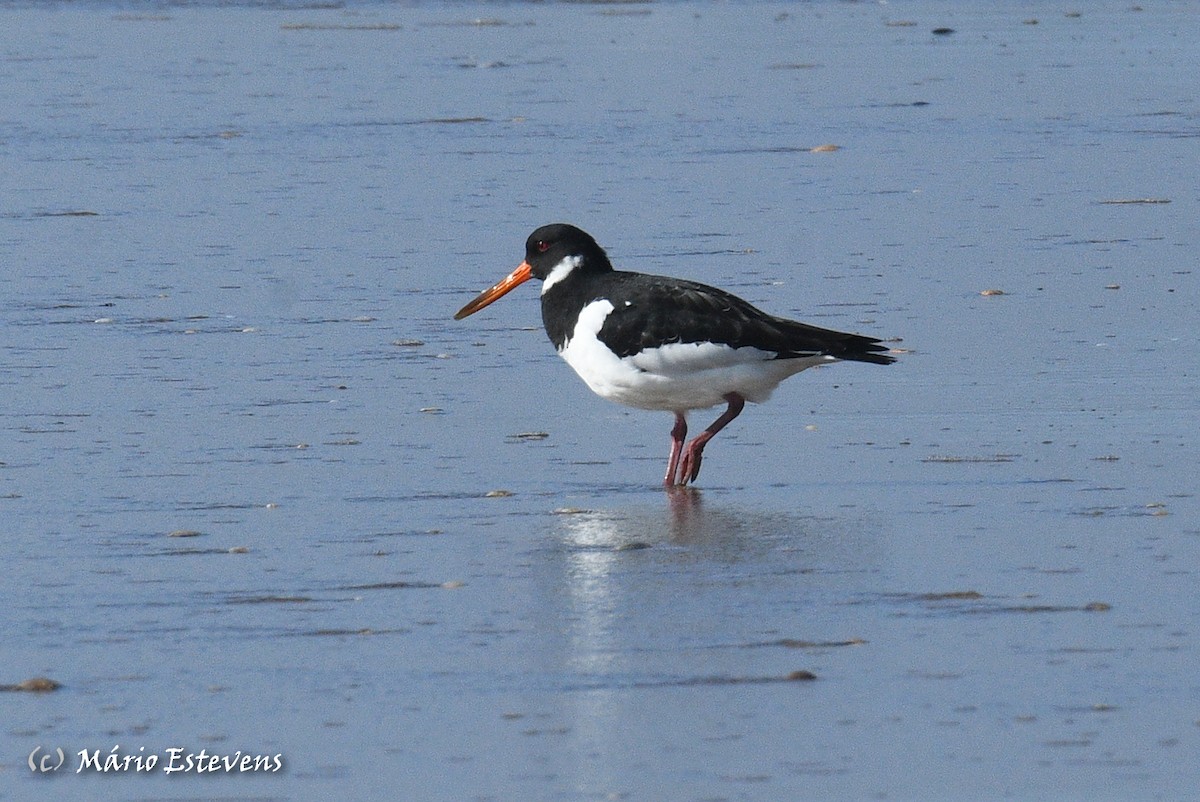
[547, 247]
[569, 249]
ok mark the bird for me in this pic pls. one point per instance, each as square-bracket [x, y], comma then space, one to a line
[667, 344]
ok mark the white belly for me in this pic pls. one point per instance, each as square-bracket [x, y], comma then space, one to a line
[674, 377]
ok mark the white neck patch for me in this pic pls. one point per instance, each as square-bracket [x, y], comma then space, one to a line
[560, 271]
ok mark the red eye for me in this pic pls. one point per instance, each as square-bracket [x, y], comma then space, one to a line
[542, 246]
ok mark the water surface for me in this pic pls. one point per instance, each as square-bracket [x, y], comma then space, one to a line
[261, 493]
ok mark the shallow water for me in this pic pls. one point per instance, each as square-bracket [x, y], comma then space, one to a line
[261, 493]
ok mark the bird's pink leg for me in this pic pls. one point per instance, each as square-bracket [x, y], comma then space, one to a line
[677, 435]
[689, 467]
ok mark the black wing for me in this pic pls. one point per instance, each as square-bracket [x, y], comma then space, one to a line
[650, 311]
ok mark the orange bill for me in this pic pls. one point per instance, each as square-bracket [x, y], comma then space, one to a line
[506, 285]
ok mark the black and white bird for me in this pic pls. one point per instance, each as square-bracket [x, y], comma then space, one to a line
[668, 344]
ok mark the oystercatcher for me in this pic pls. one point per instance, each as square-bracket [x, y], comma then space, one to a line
[668, 344]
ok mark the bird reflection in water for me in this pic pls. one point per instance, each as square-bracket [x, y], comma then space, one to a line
[684, 521]
[606, 569]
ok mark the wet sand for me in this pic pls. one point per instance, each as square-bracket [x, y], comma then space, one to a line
[262, 496]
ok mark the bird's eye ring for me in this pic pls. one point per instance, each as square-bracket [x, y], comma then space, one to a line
[542, 246]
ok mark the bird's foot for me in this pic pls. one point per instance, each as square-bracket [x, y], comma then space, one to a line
[678, 434]
[689, 463]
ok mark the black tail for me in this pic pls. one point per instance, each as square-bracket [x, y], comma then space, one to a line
[803, 338]
[874, 359]
[865, 349]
